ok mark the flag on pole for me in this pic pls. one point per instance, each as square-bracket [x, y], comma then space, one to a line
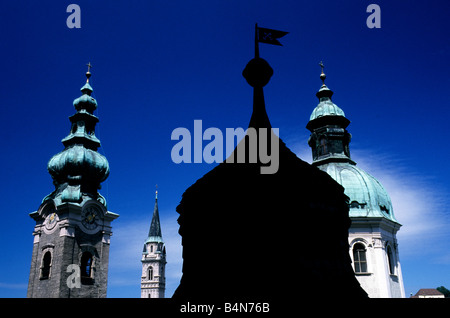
[270, 36]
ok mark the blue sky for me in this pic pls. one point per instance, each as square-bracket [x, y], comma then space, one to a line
[160, 65]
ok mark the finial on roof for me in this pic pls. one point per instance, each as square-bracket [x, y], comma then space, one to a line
[322, 74]
[156, 192]
[88, 73]
[324, 91]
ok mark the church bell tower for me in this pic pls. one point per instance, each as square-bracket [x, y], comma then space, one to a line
[153, 280]
[73, 226]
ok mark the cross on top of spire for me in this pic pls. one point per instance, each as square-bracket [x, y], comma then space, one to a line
[322, 74]
[88, 73]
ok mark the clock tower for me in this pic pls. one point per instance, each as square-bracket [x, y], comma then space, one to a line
[73, 225]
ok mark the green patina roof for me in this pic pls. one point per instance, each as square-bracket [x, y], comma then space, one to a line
[79, 166]
[325, 107]
[77, 160]
[154, 239]
[154, 234]
[85, 102]
[368, 198]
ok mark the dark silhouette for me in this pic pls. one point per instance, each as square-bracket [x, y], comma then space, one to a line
[248, 235]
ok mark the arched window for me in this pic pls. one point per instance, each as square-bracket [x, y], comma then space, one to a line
[323, 149]
[46, 263]
[150, 273]
[359, 258]
[390, 260]
[86, 265]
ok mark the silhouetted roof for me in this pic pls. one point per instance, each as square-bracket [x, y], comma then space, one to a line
[235, 219]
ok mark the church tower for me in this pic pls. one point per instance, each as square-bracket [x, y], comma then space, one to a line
[372, 235]
[153, 280]
[73, 226]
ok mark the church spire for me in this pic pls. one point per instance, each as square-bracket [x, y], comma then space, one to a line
[154, 234]
[79, 169]
[153, 280]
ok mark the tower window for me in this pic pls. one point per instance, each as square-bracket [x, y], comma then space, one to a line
[150, 273]
[46, 263]
[390, 260]
[359, 258]
[323, 146]
[86, 265]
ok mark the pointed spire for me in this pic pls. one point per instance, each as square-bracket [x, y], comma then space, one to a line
[154, 234]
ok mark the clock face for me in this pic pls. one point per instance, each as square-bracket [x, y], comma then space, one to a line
[90, 218]
[50, 221]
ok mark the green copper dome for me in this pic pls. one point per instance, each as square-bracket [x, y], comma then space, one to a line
[326, 107]
[78, 161]
[367, 197]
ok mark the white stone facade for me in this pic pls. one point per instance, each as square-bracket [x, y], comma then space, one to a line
[153, 278]
[382, 275]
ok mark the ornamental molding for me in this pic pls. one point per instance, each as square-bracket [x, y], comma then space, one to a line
[377, 242]
[360, 240]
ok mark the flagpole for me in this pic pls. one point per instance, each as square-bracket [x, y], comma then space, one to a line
[256, 41]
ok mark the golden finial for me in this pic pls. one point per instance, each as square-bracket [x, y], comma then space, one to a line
[156, 192]
[88, 73]
[322, 74]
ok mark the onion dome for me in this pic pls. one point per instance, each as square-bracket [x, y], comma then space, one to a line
[77, 161]
[325, 107]
[86, 101]
[79, 168]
